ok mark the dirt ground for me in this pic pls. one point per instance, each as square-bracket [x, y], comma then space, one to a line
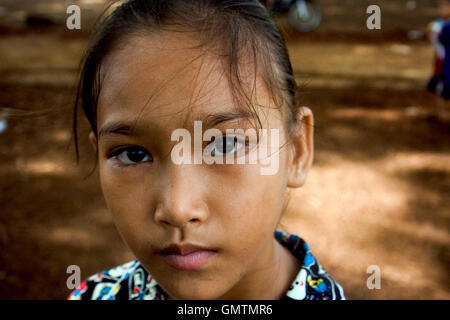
[378, 192]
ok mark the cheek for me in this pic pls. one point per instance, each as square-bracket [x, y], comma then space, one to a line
[128, 195]
[249, 208]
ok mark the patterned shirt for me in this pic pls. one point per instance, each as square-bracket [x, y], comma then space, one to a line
[131, 281]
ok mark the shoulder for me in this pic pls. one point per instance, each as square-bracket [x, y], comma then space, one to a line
[312, 282]
[129, 281]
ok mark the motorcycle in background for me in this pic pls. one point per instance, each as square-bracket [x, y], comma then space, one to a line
[303, 15]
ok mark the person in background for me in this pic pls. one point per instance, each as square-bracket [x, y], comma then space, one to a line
[435, 83]
[444, 39]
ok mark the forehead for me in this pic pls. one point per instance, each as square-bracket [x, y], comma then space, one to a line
[166, 78]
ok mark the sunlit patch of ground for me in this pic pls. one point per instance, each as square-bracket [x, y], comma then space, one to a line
[359, 214]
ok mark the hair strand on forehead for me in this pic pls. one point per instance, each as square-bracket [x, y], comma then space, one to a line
[240, 32]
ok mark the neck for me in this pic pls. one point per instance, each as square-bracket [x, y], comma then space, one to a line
[270, 278]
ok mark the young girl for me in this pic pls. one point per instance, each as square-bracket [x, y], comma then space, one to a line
[157, 71]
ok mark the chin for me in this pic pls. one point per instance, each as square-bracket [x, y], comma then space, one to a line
[195, 294]
[186, 285]
[194, 290]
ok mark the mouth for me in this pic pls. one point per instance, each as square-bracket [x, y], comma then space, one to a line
[187, 256]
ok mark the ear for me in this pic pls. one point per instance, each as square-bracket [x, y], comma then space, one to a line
[303, 148]
[93, 140]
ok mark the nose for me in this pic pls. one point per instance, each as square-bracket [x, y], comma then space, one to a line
[182, 202]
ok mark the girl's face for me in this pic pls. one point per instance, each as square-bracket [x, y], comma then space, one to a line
[152, 86]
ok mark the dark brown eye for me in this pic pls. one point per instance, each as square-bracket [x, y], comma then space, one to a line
[227, 144]
[133, 155]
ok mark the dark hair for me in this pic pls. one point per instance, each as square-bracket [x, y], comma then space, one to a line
[236, 27]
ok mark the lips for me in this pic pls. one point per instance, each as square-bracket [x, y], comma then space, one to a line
[186, 256]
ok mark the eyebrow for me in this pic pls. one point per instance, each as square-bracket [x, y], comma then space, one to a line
[130, 128]
[212, 120]
[126, 128]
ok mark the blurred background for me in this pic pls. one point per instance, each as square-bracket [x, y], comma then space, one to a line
[378, 192]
